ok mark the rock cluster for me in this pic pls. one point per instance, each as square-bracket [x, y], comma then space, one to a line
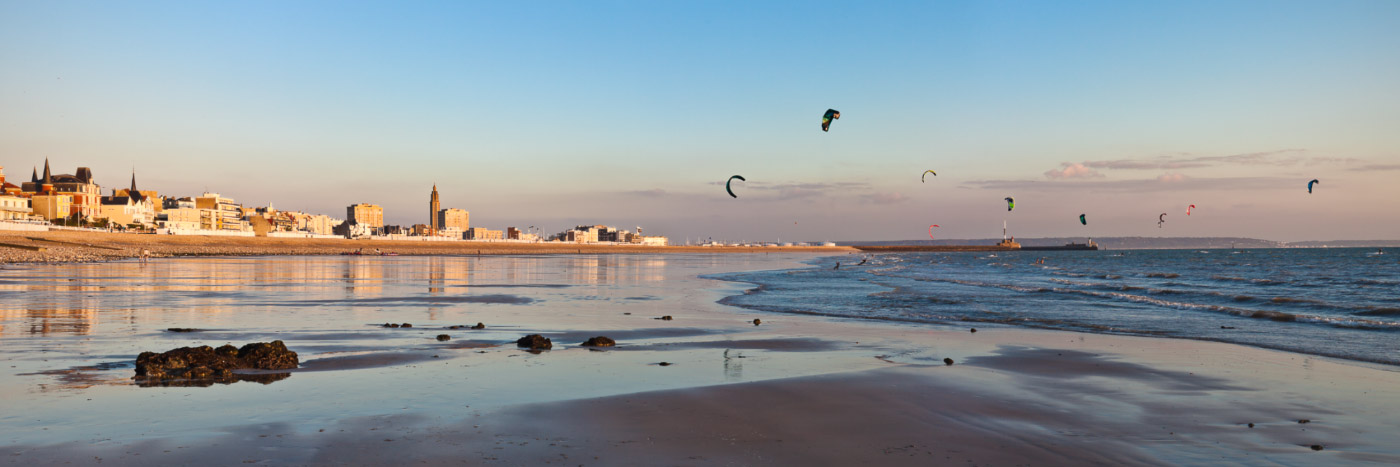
[208, 364]
[393, 325]
[535, 342]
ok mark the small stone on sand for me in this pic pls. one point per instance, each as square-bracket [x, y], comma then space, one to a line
[948, 361]
[757, 321]
[406, 325]
[1317, 447]
[974, 329]
[443, 337]
[664, 363]
[1251, 425]
[479, 326]
[1304, 421]
[600, 341]
[665, 318]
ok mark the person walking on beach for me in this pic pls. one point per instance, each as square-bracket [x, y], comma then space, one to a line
[145, 255]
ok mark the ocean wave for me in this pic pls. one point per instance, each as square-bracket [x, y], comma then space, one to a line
[1163, 275]
[1245, 279]
[1379, 311]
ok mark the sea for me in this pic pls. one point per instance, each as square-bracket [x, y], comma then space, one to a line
[1334, 302]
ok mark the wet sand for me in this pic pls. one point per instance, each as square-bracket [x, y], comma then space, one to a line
[794, 390]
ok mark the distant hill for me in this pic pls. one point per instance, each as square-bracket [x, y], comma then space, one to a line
[1144, 243]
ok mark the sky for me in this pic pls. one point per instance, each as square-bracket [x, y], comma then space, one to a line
[553, 114]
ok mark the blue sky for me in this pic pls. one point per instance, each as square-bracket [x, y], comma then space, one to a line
[634, 113]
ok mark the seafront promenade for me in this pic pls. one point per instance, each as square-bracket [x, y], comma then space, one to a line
[83, 246]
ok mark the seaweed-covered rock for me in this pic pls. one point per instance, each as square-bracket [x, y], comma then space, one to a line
[268, 356]
[479, 326]
[535, 342]
[210, 365]
[947, 361]
[183, 330]
[757, 321]
[665, 318]
[444, 337]
[600, 341]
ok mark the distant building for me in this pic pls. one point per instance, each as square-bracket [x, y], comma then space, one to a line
[128, 207]
[513, 233]
[52, 207]
[452, 218]
[84, 194]
[319, 224]
[478, 233]
[220, 213]
[605, 234]
[422, 230]
[14, 208]
[368, 215]
[7, 188]
[179, 217]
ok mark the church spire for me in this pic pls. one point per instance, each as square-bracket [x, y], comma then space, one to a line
[133, 193]
[35, 178]
[48, 179]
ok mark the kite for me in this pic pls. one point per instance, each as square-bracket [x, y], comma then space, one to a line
[1310, 184]
[1160, 219]
[831, 114]
[1010, 203]
[731, 180]
[1082, 221]
[1189, 208]
[930, 231]
[924, 178]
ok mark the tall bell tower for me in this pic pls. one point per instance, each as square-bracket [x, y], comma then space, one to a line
[433, 207]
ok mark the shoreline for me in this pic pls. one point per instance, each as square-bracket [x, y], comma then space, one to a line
[70, 247]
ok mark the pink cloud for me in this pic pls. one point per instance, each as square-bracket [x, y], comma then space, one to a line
[1072, 171]
[1172, 178]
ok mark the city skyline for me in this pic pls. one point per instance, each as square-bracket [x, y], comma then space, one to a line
[636, 114]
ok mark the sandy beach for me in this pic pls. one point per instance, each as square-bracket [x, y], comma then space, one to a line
[77, 246]
[793, 390]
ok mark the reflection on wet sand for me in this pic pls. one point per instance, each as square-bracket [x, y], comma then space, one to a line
[73, 299]
[262, 378]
